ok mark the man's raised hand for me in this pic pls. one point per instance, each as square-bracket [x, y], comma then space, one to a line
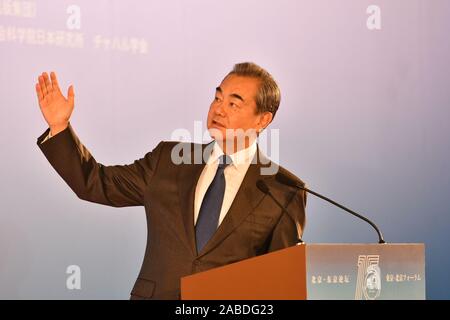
[54, 106]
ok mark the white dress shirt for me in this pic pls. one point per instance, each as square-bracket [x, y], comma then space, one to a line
[234, 175]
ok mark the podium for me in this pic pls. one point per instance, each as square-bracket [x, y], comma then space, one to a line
[317, 271]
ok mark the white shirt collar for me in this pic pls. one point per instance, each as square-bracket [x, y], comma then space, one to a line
[239, 159]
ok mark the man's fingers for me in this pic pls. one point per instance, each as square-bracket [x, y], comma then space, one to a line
[39, 92]
[55, 83]
[42, 85]
[70, 95]
[48, 84]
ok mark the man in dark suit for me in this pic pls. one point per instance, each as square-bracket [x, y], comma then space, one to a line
[202, 212]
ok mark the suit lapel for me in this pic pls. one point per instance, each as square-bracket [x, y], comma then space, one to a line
[187, 181]
[187, 178]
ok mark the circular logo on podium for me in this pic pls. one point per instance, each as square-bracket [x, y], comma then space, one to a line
[372, 282]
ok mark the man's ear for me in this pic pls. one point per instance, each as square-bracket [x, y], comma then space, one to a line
[265, 119]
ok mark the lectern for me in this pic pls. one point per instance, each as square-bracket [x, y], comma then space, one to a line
[317, 271]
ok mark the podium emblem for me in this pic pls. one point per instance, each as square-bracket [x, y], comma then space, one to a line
[368, 285]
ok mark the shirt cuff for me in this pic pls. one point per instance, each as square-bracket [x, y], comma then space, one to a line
[47, 137]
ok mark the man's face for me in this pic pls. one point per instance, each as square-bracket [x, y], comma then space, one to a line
[234, 107]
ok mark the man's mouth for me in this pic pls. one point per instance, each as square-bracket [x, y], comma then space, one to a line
[218, 123]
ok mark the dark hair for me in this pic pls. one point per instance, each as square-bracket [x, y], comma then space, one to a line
[268, 96]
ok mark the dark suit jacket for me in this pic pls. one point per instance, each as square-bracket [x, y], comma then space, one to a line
[254, 224]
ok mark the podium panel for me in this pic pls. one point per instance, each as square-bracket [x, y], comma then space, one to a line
[365, 271]
[317, 271]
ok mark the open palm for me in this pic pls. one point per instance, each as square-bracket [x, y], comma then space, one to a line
[54, 106]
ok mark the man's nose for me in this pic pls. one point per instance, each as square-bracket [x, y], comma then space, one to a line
[220, 110]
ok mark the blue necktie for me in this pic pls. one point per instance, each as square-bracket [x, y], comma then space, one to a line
[208, 217]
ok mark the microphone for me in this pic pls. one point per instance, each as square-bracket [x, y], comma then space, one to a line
[282, 178]
[265, 189]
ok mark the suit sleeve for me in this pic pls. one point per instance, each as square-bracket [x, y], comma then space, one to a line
[117, 186]
[289, 229]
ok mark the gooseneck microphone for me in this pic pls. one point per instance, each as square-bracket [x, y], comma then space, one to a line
[290, 182]
[265, 189]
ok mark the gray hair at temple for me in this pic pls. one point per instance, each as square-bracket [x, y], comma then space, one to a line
[269, 96]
